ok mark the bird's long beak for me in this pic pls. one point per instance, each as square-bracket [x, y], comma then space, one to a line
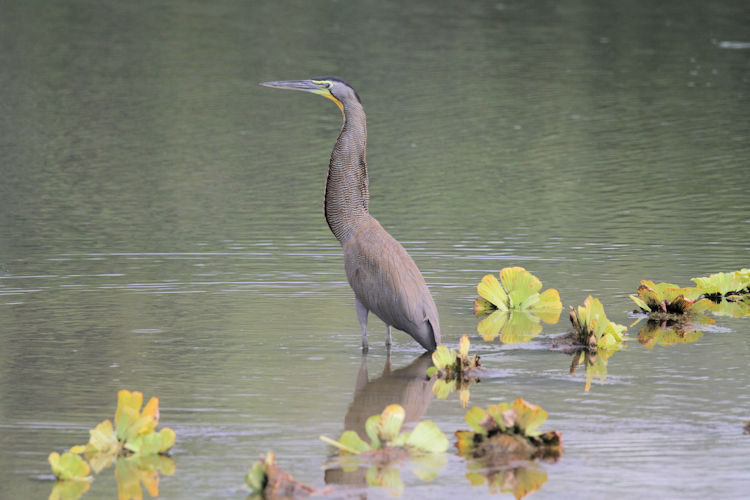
[320, 87]
[306, 85]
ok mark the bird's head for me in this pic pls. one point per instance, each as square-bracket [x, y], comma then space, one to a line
[331, 87]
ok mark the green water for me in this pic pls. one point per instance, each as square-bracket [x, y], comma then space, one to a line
[161, 228]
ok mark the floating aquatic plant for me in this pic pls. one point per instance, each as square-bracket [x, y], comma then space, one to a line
[519, 481]
[515, 306]
[132, 444]
[508, 430]
[517, 289]
[595, 338]
[724, 285]
[134, 431]
[454, 370]
[423, 447]
[592, 328]
[72, 474]
[69, 466]
[384, 431]
[268, 480]
[451, 364]
[660, 299]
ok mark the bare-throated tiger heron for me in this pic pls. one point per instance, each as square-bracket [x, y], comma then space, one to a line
[383, 276]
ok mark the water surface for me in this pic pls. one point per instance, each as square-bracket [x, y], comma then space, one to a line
[161, 227]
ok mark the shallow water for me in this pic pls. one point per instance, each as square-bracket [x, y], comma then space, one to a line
[161, 228]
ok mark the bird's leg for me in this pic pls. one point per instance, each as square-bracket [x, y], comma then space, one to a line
[388, 335]
[362, 316]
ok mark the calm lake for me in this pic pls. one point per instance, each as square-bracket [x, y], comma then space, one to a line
[162, 229]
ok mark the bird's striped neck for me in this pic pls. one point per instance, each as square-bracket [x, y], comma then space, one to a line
[347, 196]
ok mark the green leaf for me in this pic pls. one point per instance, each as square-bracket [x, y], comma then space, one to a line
[530, 416]
[389, 424]
[130, 421]
[128, 411]
[590, 319]
[433, 370]
[427, 437]
[519, 284]
[549, 306]
[69, 466]
[349, 442]
[490, 289]
[152, 443]
[473, 418]
[723, 283]
[256, 477]
[102, 440]
[443, 357]
[498, 414]
[371, 428]
[463, 345]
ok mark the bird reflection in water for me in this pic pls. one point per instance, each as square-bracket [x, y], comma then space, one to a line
[407, 386]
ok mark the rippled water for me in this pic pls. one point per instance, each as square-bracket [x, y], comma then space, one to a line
[161, 228]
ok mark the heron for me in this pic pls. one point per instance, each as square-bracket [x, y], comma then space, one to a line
[385, 279]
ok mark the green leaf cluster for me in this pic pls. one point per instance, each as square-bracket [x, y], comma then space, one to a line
[454, 370]
[384, 432]
[133, 437]
[508, 428]
[720, 285]
[517, 289]
[451, 364]
[518, 417]
[668, 298]
[592, 327]
[515, 306]
[134, 431]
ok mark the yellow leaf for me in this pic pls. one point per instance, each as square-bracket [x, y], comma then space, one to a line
[463, 345]
[389, 424]
[489, 288]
